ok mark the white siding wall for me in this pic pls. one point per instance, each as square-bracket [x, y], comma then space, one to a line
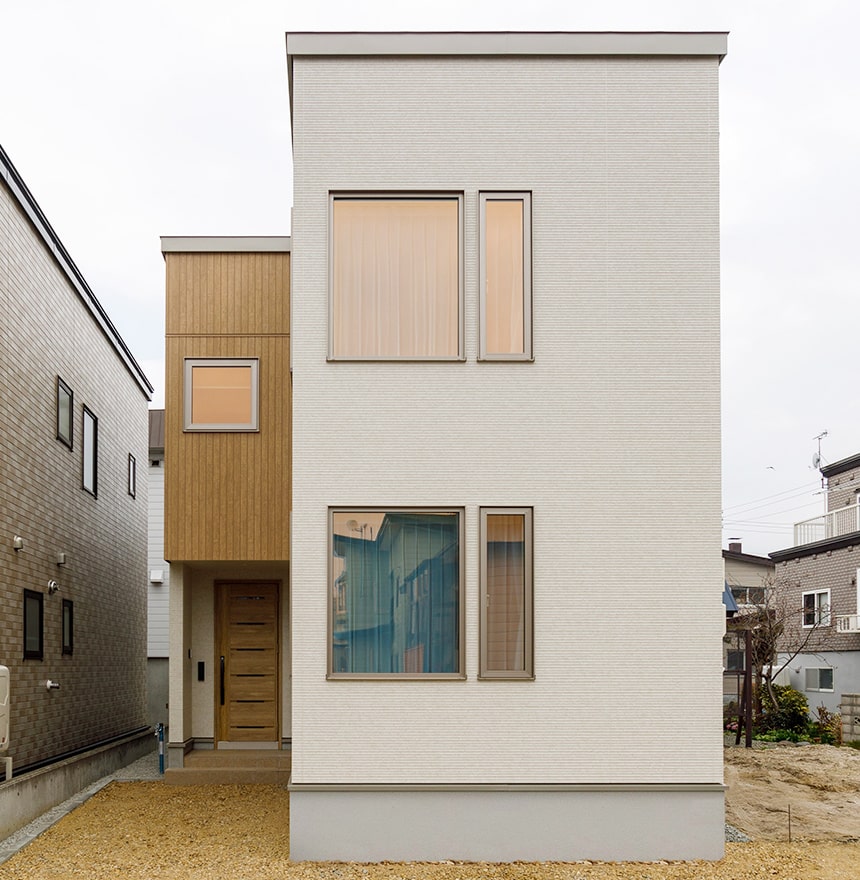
[159, 594]
[612, 434]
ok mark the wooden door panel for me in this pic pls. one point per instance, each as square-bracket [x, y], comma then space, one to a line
[248, 626]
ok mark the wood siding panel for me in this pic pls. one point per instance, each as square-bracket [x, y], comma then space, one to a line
[227, 495]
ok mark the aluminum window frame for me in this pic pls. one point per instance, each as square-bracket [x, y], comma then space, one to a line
[400, 195]
[527, 355]
[528, 673]
[251, 427]
[823, 613]
[90, 451]
[358, 510]
[68, 644]
[31, 596]
[818, 670]
[64, 389]
[132, 476]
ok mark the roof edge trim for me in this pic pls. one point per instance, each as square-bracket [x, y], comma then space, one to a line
[225, 244]
[51, 240]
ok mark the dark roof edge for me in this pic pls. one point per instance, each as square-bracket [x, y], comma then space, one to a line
[747, 557]
[52, 242]
[817, 547]
[839, 467]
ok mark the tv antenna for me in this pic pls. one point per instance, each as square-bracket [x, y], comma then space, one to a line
[816, 456]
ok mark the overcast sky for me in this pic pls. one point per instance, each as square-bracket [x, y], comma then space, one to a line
[170, 117]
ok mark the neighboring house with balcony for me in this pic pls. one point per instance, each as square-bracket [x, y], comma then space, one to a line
[817, 580]
[73, 510]
[748, 578]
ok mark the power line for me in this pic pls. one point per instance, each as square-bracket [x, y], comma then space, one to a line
[776, 495]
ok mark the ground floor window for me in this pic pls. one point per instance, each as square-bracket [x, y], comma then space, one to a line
[395, 593]
[820, 679]
[33, 625]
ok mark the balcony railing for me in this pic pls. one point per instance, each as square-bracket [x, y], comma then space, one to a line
[828, 525]
[848, 623]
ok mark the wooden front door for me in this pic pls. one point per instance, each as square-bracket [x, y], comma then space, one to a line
[247, 699]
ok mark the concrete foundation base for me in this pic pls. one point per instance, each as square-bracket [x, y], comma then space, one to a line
[610, 823]
[24, 798]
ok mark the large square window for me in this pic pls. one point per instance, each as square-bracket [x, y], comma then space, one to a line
[90, 452]
[820, 679]
[221, 394]
[395, 593]
[65, 412]
[816, 609]
[506, 276]
[396, 277]
[33, 625]
[506, 593]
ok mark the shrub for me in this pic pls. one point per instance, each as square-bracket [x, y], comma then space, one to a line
[827, 727]
[792, 713]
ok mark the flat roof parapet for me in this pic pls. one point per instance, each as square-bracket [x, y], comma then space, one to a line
[225, 244]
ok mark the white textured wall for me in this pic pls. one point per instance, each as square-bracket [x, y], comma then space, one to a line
[612, 434]
[158, 595]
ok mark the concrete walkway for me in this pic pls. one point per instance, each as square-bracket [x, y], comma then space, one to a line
[143, 769]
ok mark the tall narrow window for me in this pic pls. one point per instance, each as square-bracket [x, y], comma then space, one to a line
[33, 625]
[90, 452]
[65, 410]
[68, 626]
[505, 273]
[132, 475]
[396, 278]
[395, 596]
[506, 593]
[221, 394]
[816, 609]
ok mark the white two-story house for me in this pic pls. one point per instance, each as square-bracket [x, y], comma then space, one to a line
[505, 429]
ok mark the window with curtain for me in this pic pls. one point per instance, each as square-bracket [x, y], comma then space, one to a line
[506, 593]
[221, 394]
[396, 277]
[395, 593]
[505, 272]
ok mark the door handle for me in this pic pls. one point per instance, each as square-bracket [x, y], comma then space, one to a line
[222, 680]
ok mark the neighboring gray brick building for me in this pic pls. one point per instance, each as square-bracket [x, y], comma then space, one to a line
[73, 500]
[819, 584]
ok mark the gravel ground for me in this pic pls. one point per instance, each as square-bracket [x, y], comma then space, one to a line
[142, 830]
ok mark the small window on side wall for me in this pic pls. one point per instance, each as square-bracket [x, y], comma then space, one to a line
[65, 411]
[506, 276]
[68, 626]
[33, 625]
[132, 476]
[507, 599]
[221, 394]
[90, 452]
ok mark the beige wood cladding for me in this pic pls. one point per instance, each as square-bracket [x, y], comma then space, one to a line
[227, 495]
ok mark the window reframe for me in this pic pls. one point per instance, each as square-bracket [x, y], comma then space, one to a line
[189, 426]
[527, 355]
[821, 614]
[64, 389]
[358, 510]
[528, 673]
[90, 451]
[31, 596]
[405, 195]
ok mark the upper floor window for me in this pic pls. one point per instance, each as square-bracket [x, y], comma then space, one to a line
[396, 277]
[505, 273]
[90, 452]
[221, 394]
[132, 475]
[816, 608]
[33, 625]
[65, 412]
[396, 593]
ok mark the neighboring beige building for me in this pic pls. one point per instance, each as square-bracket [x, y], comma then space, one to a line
[819, 582]
[73, 500]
